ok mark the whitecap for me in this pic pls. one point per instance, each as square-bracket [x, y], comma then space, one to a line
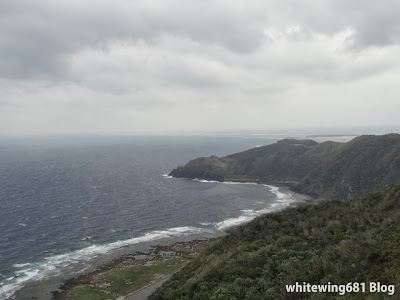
[278, 194]
[282, 200]
[212, 181]
[247, 216]
[21, 265]
[235, 182]
[14, 283]
[223, 182]
[206, 223]
[206, 181]
[52, 265]
[232, 222]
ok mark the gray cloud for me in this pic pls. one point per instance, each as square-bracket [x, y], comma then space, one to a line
[97, 65]
[375, 23]
[36, 36]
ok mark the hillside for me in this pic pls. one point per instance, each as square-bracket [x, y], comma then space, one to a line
[352, 240]
[330, 169]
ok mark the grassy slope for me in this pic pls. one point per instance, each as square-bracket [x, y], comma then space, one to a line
[355, 240]
[119, 282]
[128, 273]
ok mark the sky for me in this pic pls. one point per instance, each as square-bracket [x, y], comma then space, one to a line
[133, 66]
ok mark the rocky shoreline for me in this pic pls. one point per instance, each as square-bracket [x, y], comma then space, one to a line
[102, 281]
[134, 255]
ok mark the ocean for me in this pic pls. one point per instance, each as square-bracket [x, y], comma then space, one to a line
[66, 200]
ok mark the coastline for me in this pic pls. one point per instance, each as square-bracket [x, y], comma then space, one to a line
[283, 187]
[165, 259]
[48, 288]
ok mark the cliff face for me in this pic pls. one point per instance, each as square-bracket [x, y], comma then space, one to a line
[365, 164]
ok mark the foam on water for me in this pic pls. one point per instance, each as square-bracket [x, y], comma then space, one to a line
[54, 265]
[222, 182]
[279, 195]
[21, 265]
[206, 223]
[233, 182]
[74, 188]
[212, 181]
[206, 181]
[282, 201]
[57, 264]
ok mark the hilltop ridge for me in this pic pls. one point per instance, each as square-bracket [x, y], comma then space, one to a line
[329, 169]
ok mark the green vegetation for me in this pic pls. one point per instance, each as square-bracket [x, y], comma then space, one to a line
[131, 272]
[330, 169]
[124, 279]
[352, 240]
[89, 292]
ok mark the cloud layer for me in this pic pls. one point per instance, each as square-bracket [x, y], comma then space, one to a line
[136, 66]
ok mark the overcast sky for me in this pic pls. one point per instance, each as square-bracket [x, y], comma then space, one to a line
[128, 66]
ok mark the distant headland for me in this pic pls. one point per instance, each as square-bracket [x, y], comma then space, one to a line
[329, 169]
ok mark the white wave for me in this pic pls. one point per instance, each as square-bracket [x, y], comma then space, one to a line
[282, 200]
[14, 283]
[21, 224]
[21, 265]
[278, 194]
[206, 181]
[235, 182]
[52, 265]
[223, 182]
[213, 181]
[206, 223]
[274, 189]
[247, 216]
[232, 222]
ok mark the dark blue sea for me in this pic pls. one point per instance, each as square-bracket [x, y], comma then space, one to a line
[65, 200]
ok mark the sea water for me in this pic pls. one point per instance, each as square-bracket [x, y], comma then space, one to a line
[65, 200]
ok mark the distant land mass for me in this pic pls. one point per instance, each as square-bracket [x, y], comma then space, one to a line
[330, 169]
